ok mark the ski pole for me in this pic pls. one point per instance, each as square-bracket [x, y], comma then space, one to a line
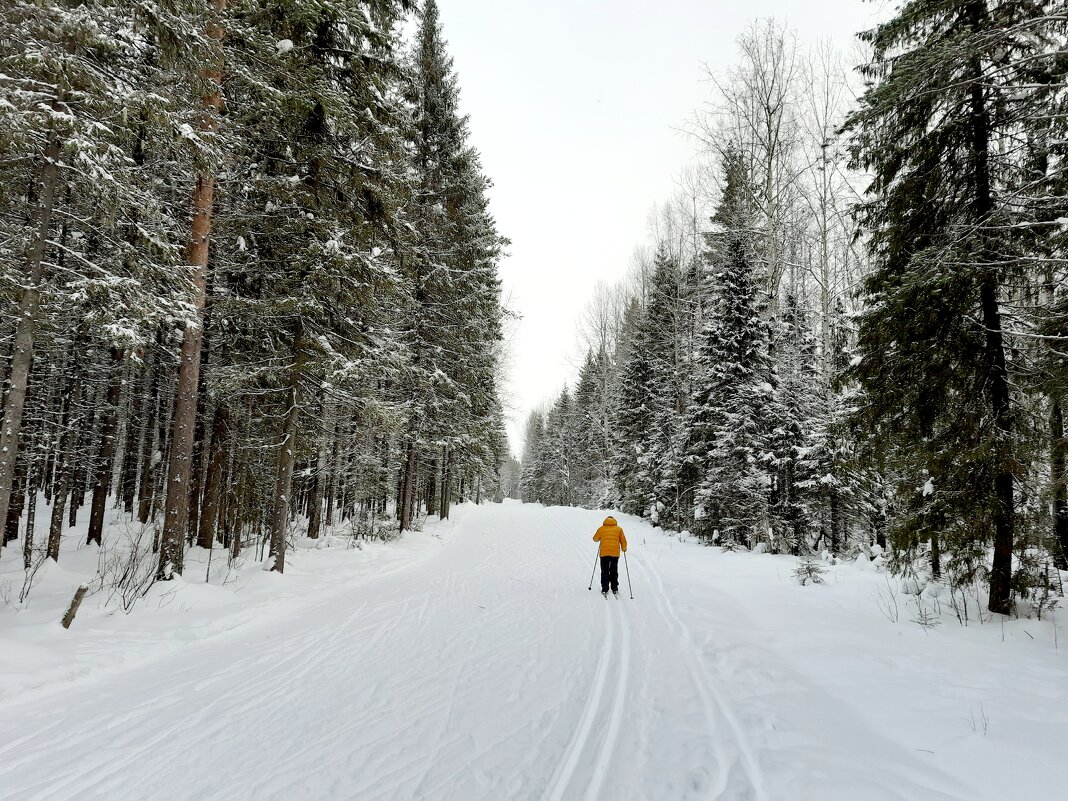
[628, 575]
[593, 571]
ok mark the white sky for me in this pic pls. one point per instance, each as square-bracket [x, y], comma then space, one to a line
[575, 106]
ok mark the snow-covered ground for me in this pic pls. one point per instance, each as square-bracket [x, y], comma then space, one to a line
[469, 661]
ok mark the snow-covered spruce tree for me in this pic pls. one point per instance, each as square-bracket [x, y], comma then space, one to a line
[80, 107]
[848, 492]
[304, 176]
[729, 451]
[599, 421]
[647, 404]
[454, 318]
[795, 490]
[630, 415]
[1056, 385]
[305, 279]
[586, 430]
[670, 307]
[511, 474]
[557, 455]
[1044, 179]
[951, 93]
[531, 479]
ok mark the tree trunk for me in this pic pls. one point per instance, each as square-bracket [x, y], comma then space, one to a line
[407, 489]
[55, 527]
[213, 482]
[315, 502]
[31, 520]
[432, 486]
[81, 465]
[286, 459]
[1000, 600]
[18, 501]
[130, 448]
[1058, 478]
[199, 434]
[197, 469]
[149, 411]
[176, 509]
[226, 498]
[443, 511]
[108, 430]
[64, 469]
[29, 304]
[1004, 505]
[78, 476]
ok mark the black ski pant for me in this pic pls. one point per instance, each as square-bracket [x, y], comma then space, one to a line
[609, 573]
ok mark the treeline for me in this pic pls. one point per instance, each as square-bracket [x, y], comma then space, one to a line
[853, 329]
[250, 271]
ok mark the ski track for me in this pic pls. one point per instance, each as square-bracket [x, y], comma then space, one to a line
[604, 756]
[715, 704]
[483, 672]
[582, 734]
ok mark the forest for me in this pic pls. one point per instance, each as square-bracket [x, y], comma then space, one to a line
[250, 276]
[847, 333]
[792, 522]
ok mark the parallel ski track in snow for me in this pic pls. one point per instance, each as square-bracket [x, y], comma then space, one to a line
[611, 736]
[712, 700]
[594, 704]
[331, 694]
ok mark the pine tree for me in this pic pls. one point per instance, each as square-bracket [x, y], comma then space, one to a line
[179, 469]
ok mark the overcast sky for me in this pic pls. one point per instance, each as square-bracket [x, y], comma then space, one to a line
[575, 106]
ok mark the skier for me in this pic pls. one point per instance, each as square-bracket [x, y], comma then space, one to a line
[612, 539]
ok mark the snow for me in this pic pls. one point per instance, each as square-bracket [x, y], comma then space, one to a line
[284, 45]
[469, 661]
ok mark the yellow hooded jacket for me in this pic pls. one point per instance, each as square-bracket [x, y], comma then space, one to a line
[611, 537]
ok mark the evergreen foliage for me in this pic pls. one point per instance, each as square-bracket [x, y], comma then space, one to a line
[352, 318]
[953, 90]
[774, 387]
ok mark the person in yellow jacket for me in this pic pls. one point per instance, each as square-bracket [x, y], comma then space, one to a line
[612, 540]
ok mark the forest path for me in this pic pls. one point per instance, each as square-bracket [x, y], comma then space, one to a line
[487, 671]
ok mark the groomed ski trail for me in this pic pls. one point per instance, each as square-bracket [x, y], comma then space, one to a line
[484, 671]
[614, 621]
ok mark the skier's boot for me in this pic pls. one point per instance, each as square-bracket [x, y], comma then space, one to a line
[616, 594]
[605, 594]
